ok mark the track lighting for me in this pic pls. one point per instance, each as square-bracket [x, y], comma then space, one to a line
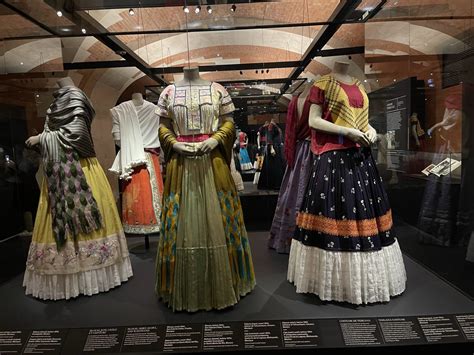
[186, 9]
[131, 12]
[233, 8]
[59, 13]
[209, 9]
[197, 9]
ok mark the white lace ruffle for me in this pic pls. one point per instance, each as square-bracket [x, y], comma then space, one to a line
[126, 172]
[65, 286]
[354, 277]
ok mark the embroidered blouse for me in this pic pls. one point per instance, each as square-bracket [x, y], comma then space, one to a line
[346, 105]
[196, 109]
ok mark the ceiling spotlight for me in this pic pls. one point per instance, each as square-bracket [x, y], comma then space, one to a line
[256, 71]
[262, 71]
[209, 9]
[37, 95]
[83, 30]
[197, 9]
[21, 63]
[268, 70]
[186, 9]
[59, 13]
[131, 12]
[233, 8]
[350, 57]
[394, 80]
[241, 73]
[365, 80]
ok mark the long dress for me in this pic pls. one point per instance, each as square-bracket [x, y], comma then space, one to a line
[204, 260]
[344, 248]
[245, 162]
[78, 244]
[299, 158]
[273, 167]
[138, 165]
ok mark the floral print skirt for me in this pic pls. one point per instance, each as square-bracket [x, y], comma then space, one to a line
[88, 264]
[345, 228]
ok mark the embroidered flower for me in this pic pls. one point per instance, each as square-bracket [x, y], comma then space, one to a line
[331, 245]
[357, 246]
[309, 193]
[379, 199]
[343, 217]
[353, 191]
[358, 183]
[371, 201]
[375, 182]
[366, 182]
[326, 178]
[333, 171]
[342, 180]
[333, 189]
[343, 199]
[341, 161]
[333, 208]
[329, 160]
[354, 209]
[350, 172]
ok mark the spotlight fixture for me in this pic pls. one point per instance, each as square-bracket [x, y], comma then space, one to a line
[241, 73]
[186, 9]
[233, 8]
[262, 71]
[350, 57]
[256, 71]
[59, 13]
[21, 63]
[83, 30]
[394, 80]
[37, 95]
[209, 9]
[197, 9]
[365, 80]
[131, 12]
[268, 71]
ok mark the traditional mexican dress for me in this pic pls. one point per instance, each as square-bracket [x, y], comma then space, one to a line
[245, 162]
[273, 167]
[138, 165]
[204, 259]
[344, 248]
[78, 244]
[299, 158]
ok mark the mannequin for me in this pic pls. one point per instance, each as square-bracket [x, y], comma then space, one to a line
[77, 232]
[67, 81]
[344, 225]
[202, 220]
[273, 167]
[137, 98]
[135, 129]
[299, 159]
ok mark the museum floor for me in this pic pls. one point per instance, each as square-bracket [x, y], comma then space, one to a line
[134, 303]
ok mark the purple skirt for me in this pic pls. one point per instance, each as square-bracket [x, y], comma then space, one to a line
[290, 198]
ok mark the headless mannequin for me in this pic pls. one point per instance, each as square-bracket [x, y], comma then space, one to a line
[67, 81]
[192, 78]
[340, 73]
[34, 140]
[258, 134]
[137, 99]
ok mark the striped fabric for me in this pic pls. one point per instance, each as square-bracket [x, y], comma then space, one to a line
[68, 125]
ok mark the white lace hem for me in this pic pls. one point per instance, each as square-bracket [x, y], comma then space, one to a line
[354, 277]
[66, 286]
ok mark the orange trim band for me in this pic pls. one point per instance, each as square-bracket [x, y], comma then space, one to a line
[350, 228]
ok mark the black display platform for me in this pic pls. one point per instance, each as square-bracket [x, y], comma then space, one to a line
[274, 301]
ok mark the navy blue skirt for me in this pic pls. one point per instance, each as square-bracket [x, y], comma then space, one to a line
[345, 207]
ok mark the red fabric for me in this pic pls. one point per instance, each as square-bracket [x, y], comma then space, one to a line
[242, 138]
[193, 138]
[322, 142]
[453, 102]
[354, 95]
[297, 129]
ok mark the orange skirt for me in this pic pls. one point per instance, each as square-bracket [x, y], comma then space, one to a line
[141, 198]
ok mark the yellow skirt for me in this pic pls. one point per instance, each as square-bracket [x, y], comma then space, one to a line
[89, 264]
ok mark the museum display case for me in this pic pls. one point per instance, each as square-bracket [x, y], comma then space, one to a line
[213, 176]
